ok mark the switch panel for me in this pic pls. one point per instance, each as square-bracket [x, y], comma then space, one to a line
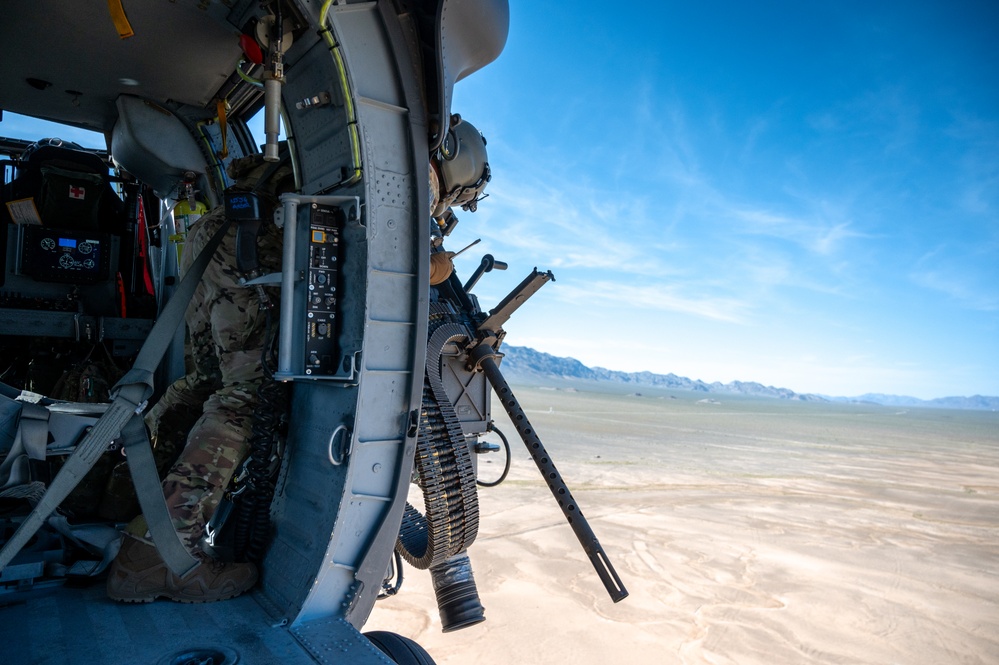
[325, 225]
[316, 244]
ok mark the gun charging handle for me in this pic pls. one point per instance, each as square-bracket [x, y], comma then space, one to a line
[482, 358]
[488, 264]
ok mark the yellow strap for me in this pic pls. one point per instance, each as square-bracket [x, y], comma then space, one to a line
[119, 19]
[223, 128]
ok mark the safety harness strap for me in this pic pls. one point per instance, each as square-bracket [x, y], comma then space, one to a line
[30, 437]
[150, 492]
[76, 467]
[124, 417]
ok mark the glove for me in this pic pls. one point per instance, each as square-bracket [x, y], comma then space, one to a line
[441, 267]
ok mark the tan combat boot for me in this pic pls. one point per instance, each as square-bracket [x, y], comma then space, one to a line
[138, 575]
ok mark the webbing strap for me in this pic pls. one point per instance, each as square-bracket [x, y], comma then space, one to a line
[87, 452]
[138, 451]
[150, 492]
[160, 337]
[34, 427]
[130, 395]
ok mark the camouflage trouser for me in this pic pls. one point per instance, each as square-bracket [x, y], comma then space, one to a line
[215, 401]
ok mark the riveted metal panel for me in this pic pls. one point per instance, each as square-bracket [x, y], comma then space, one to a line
[352, 439]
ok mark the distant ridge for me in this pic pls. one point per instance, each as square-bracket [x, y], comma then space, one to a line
[975, 402]
[524, 364]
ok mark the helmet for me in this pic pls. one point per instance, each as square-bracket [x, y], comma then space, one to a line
[462, 166]
[248, 171]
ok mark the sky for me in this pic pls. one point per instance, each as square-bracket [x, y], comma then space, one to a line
[800, 194]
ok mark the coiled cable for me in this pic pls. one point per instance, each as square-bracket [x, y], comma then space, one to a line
[506, 466]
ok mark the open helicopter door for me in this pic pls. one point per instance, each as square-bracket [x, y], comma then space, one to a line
[355, 406]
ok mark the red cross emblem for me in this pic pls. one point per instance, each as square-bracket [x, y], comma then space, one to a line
[76, 192]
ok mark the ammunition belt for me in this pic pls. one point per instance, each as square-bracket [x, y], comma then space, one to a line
[443, 465]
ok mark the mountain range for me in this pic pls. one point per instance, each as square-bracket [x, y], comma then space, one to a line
[525, 365]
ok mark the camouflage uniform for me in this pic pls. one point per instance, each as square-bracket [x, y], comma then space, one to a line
[227, 331]
[215, 401]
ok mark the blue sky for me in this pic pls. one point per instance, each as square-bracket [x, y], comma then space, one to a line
[799, 194]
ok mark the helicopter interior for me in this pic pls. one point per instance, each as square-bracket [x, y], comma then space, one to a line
[388, 374]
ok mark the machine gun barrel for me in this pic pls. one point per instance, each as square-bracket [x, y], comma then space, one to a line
[483, 356]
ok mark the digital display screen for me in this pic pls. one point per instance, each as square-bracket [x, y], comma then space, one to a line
[64, 255]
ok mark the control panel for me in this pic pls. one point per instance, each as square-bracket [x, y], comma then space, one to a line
[312, 342]
[325, 224]
[62, 255]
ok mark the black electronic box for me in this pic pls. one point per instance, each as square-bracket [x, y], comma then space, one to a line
[62, 255]
[323, 279]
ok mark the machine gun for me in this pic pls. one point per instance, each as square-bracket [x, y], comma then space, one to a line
[478, 352]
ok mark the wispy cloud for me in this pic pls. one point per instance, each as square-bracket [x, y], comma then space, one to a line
[573, 227]
[818, 236]
[967, 275]
[658, 297]
[695, 249]
[958, 287]
[886, 118]
[725, 194]
[977, 180]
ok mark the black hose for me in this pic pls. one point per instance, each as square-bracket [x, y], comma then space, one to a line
[457, 597]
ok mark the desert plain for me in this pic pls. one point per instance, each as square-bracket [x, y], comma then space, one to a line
[745, 530]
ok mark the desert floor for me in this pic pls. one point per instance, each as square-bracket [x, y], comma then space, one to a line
[746, 531]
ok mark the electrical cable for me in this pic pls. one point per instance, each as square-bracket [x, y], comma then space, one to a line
[506, 467]
[216, 164]
[395, 570]
[246, 77]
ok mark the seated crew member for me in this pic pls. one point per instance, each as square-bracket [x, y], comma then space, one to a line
[227, 332]
[227, 336]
